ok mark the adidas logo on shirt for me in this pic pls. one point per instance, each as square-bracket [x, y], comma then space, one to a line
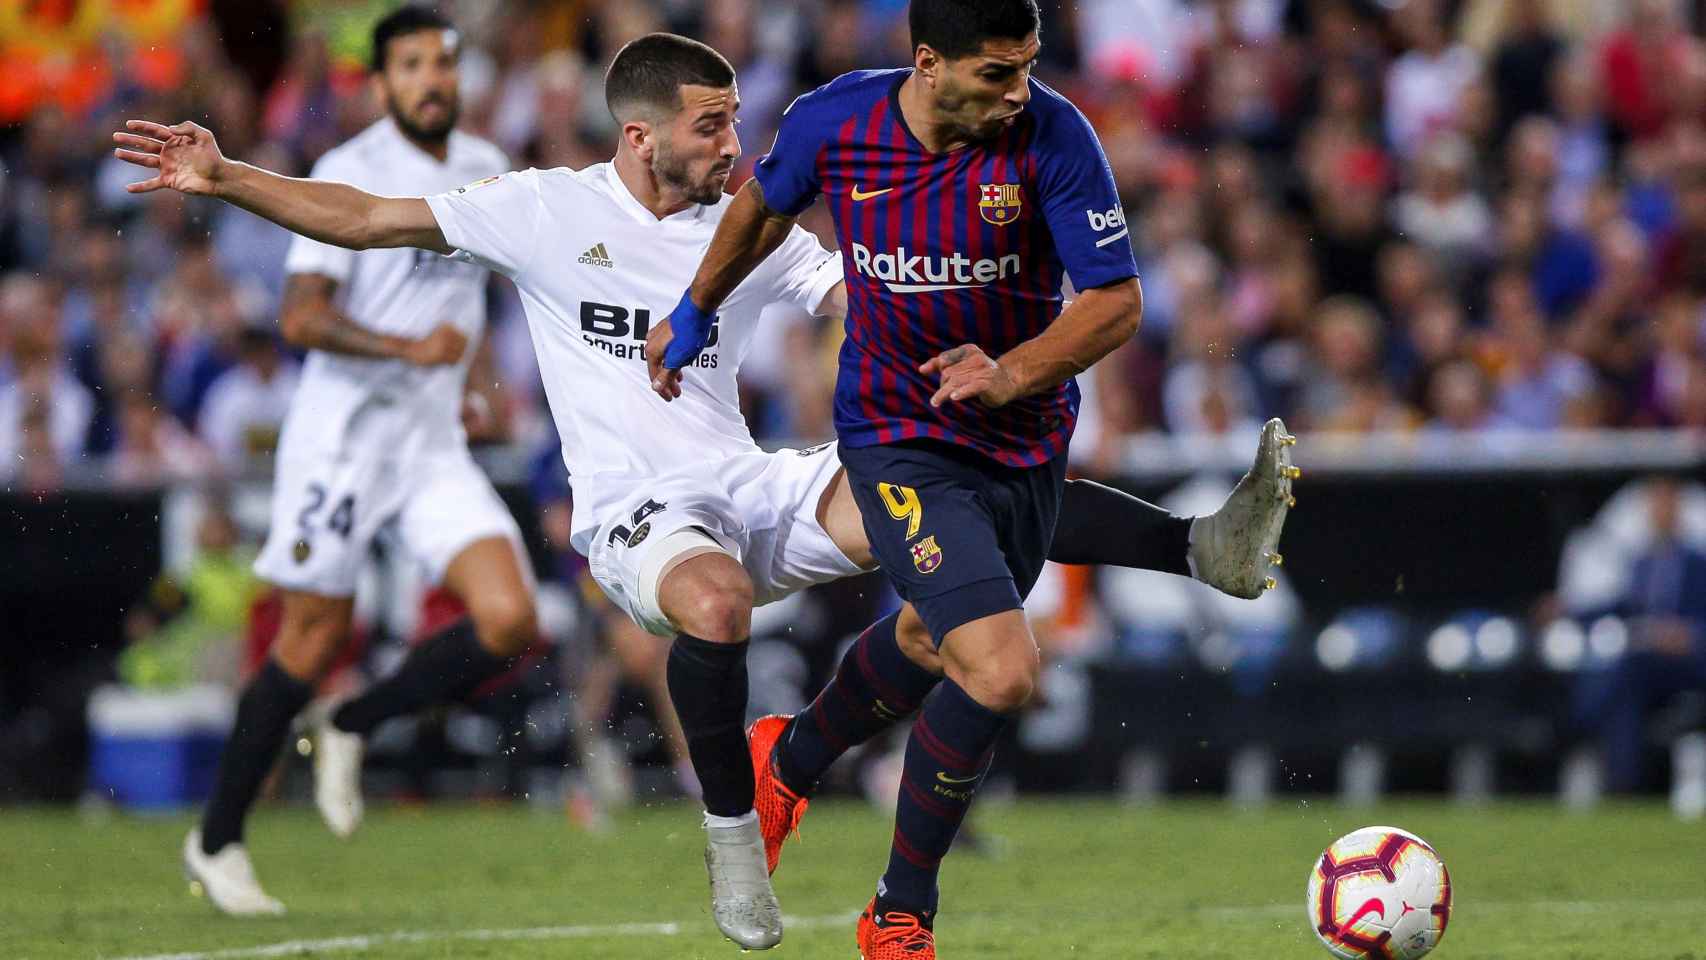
[598, 257]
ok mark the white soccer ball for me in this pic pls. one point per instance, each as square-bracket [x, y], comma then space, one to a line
[1379, 893]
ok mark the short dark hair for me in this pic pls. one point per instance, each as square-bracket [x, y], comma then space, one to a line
[958, 28]
[400, 23]
[650, 72]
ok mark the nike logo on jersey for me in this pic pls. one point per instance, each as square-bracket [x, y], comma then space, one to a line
[859, 195]
[956, 780]
[597, 257]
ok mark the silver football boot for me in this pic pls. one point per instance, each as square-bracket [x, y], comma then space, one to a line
[742, 901]
[1233, 547]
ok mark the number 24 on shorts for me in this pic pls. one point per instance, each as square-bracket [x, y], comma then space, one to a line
[340, 522]
[903, 504]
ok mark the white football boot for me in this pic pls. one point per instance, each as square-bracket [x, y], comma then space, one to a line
[1233, 547]
[742, 902]
[337, 773]
[228, 879]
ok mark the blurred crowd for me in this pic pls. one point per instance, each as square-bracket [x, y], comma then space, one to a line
[1415, 215]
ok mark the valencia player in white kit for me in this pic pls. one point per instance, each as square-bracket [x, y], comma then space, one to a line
[374, 443]
[686, 523]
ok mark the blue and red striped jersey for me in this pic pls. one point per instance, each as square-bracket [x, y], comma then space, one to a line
[941, 250]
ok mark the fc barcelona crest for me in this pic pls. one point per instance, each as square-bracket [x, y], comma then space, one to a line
[926, 556]
[999, 203]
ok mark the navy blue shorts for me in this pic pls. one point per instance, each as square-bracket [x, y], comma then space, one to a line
[960, 536]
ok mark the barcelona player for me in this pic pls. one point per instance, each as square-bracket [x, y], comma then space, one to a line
[964, 193]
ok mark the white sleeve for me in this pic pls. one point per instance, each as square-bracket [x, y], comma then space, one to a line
[493, 222]
[312, 256]
[801, 271]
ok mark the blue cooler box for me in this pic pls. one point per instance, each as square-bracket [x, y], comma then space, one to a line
[157, 751]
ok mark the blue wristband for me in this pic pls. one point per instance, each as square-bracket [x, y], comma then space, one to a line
[692, 328]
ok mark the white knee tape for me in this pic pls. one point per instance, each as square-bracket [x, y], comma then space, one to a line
[670, 552]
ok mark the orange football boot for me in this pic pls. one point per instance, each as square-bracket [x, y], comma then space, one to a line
[894, 936]
[779, 808]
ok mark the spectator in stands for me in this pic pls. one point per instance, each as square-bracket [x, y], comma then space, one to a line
[1426, 84]
[1523, 63]
[1609, 328]
[1407, 278]
[245, 407]
[1254, 240]
[1535, 379]
[560, 136]
[1681, 258]
[1349, 183]
[1441, 213]
[44, 411]
[1207, 389]
[1459, 401]
[1639, 60]
[1172, 257]
[1676, 331]
[1584, 151]
[251, 250]
[40, 169]
[301, 109]
[1433, 337]
[196, 317]
[1343, 389]
[1234, 87]
[1561, 265]
[153, 448]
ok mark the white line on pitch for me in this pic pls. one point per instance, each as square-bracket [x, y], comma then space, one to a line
[358, 944]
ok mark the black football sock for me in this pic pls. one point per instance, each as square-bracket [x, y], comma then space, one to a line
[446, 667]
[264, 713]
[708, 685]
[1102, 525]
[946, 759]
[875, 686]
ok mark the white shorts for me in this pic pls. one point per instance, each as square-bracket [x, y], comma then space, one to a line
[326, 512]
[761, 508]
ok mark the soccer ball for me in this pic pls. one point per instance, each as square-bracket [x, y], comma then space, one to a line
[1379, 893]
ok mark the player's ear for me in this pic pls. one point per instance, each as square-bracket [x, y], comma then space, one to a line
[926, 62]
[637, 134]
[376, 87]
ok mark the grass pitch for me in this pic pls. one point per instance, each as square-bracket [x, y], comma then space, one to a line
[1073, 879]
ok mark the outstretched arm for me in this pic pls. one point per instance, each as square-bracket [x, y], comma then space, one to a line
[749, 232]
[188, 160]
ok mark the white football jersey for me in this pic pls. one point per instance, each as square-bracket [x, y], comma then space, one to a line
[595, 270]
[388, 409]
